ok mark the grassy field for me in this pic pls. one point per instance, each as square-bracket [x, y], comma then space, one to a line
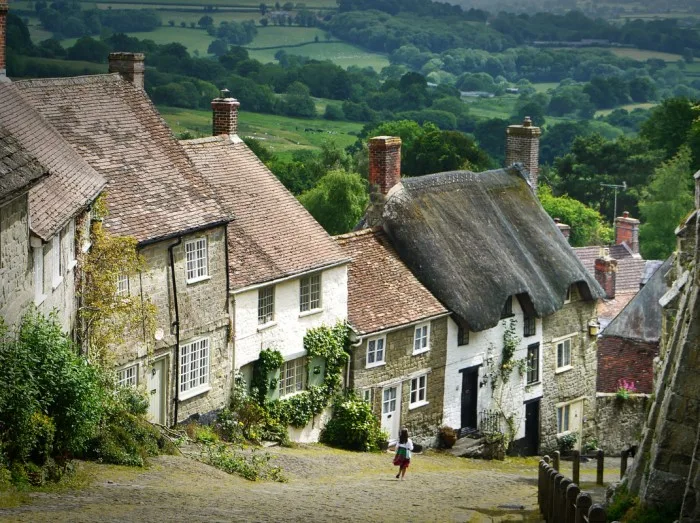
[281, 134]
[543, 87]
[629, 107]
[339, 53]
[274, 36]
[498, 107]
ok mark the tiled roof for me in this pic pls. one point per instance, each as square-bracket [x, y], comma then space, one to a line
[73, 184]
[19, 169]
[382, 291]
[273, 236]
[153, 190]
[630, 270]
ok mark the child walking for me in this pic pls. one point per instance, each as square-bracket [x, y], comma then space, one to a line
[403, 453]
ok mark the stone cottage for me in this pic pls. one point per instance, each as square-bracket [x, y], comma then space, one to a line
[39, 230]
[400, 338]
[156, 196]
[482, 244]
[286, 274]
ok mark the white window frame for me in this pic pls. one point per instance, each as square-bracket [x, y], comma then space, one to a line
[307, 303]
[270, 317]
[70, 235]
[292, 377]
[367, 395]
[38, 273]
[193, 374]
[419, 391]
[372, 344]
[123, 289]
[128, 376]
[563, 419]
[421, 338]
[563, 363]
[567, 296]
[196, 260]
[56, 269]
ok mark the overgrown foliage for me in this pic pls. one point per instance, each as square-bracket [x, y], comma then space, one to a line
[269, 361]
[354, 426]
[626, 507]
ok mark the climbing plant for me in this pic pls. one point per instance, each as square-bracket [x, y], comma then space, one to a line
[270, 360]
[108, 320]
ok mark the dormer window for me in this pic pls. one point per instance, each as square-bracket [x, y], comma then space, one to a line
[507, 311]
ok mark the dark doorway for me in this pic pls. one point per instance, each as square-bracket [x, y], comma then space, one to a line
[532, 428]
[470, 392]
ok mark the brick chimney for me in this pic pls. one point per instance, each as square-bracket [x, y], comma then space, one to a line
[563, 228]
[129, 65]
[224, 114]
[605, 273]
[384, 163]
[627, 231]
[4, 7]
[523, 146]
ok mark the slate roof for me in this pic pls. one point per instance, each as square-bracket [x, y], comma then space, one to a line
[641, 318]
[273, 236]
[474, 239]
[72, 184]
[383, 293]
[19, 169]
[154, 192]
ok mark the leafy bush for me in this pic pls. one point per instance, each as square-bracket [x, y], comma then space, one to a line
[567, 442]
[353, 426]
[254, 466]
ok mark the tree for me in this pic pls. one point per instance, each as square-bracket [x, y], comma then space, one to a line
[669, 124]
[665, 201]
[205, 21]
[338, 201]
[218, 48]
[88, 49]
[436, 151]
[587, 226]
[263, 9]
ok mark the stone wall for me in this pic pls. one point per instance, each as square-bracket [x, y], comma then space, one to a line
[16, 288]
[575, 383]
[622, 358]
[401, 365]
[619, 422]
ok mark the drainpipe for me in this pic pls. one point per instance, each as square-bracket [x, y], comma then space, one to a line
[175, 324]
[353, 344]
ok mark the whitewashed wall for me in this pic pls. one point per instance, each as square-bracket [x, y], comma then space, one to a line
[286, 333]
[475, 353]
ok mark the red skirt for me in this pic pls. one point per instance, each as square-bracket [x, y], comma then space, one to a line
[400, 459]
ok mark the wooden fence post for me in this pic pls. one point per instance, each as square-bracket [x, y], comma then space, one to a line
[601, 467]
[550, 497]
[541, 485]
[583, 504]
[562, 498]
[556, 516]
[557, 457]
[576, 467]
[572, 492]
[623, 463]
[596, 514]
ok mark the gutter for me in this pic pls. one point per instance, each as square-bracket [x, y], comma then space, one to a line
[180, 234]
[175, 324]
[255, 286]
[361, 337]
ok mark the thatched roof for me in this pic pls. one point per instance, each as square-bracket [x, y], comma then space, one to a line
[474, 239]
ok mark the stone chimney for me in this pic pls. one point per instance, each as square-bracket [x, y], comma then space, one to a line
[565, 229]
[605, 273]
[384, 163]
[224, 114]
[129, 65]
[627, 231]
[523, 146]
[4, 7]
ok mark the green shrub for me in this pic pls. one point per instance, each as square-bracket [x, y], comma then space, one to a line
[253, 467]
[447, 437]
[626, 507]
[567, 442]
[353, 426]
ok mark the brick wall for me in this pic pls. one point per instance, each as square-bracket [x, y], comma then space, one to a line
[605, 275]
[3, 29]
[384, 162]
[523, 146]
[623, 358]
[129, 65]
[627, 231]
[224, 116]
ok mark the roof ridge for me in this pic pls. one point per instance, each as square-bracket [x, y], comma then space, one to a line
[72, 80]
[206, 139]
[360, 233]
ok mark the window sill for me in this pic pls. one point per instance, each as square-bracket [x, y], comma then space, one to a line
[265, 326]
[56, 283]
[194, 392]
[412, 406]
[422, 351]
[563, 369]
[86, 247]
[38, 301]
[291, 394]
[71, 266]
[310, 313]
[565, 433]
[529, 335]
[374, 365]
[197, 280]
[533, 384]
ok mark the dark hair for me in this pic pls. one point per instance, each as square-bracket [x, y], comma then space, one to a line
[403, 436]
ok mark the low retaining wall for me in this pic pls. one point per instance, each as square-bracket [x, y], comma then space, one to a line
[619, 422]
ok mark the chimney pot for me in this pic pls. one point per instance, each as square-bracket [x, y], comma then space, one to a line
[225, 114]
[557, 220]
[626, 214]
[523, 146]
[129, 65]
[527, 122]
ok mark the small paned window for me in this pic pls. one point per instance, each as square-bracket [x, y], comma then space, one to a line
[56, 262]
[266, 305]
[507, 311]
[567, 298]
[123, 284]
[292, 376]
[127, 377]
[564, 353]
[462, 336]
[529, 326]
[533, 363]
[563, 418]
[197, 265]
[418, 390]
[375, 352]
[367, 395]
[194, 367]
[310, 293]
[421, 339]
